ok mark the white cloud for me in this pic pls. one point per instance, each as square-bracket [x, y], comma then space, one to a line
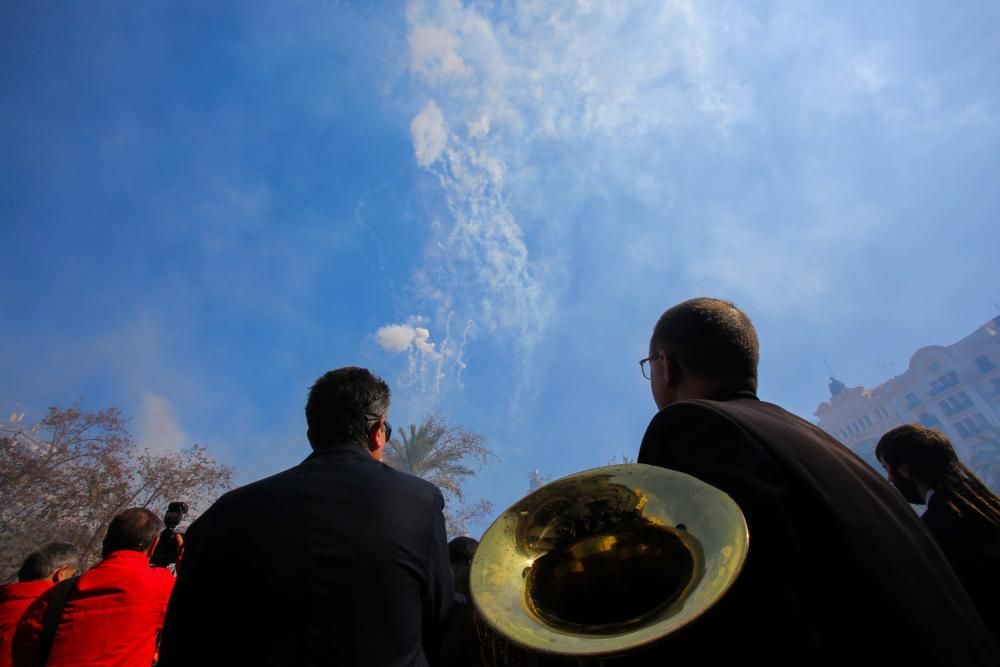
[158, 427]
[569, 104]
[534, 72]
[479, 127]
[420, 336]
[400, 337]
[396, 337]
[429, 134]
[433, 55]
[427, 363]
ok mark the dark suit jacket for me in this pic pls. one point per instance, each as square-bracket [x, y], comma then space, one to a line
[840, 570]
[972, 546]
[340, 560]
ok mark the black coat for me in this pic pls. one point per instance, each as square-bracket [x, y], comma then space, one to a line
[840, 569]
[340, 560]
[972, 545]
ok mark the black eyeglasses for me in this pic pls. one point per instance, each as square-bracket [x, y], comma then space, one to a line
[644, 365]
[386, 425]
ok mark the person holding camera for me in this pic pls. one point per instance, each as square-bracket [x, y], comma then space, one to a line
[109, 617]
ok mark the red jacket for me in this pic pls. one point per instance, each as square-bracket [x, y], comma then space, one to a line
[111, 619]
[14, 600]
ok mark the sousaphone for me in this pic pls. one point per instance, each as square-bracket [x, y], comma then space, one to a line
[607, 560]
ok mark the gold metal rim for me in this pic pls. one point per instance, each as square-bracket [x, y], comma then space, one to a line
[560, 511]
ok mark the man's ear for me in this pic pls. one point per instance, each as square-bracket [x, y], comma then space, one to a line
[376, 439]
[152, 547]
[672, 369]
[63, 573]
[904, 470]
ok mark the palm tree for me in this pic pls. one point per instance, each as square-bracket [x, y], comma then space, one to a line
[446, 456]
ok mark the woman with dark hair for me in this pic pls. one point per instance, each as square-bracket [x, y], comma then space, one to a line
[962, 514]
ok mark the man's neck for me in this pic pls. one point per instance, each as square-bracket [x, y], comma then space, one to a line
[712, 391]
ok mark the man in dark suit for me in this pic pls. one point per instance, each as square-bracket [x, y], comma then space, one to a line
[840, 570]
[962, 514]
[340, 560]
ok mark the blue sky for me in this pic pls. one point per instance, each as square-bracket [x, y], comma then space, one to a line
[206, 205]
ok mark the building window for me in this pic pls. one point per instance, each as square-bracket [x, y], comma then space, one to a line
[984, 364]
[928, 420]
[913, 400]
[944, 382]
[974, 425]
[955, 404]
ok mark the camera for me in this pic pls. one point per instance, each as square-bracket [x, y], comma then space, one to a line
[166, 551]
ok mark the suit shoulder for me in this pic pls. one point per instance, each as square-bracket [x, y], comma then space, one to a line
[411, 484]
[264, 491]
[706, 414]
[757, 417]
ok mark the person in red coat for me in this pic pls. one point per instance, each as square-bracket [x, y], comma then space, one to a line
[49, 565]
[114, 613]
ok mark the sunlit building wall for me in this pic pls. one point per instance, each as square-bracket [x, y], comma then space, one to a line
[954, 388]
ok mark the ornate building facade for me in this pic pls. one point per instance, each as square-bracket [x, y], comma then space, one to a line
[954, 388]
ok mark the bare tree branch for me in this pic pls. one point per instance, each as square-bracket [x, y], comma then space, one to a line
[78, 469]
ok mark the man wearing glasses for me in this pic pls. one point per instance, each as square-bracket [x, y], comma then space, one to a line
[839, 570]
[340, 560]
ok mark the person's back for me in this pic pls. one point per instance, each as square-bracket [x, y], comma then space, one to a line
[340, 560]
[839, 568]
[41, 570]
[962, 514]
[113, 613]
[972, 545]
[838, 561]
[15, 599]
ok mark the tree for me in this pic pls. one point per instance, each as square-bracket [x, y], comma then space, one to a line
[447, 456]
[66, 477]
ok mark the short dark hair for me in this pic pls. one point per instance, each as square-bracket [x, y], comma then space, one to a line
[933, 461]
[460, 553]
[42, 563]
[132, 530]
[711, 339]
[341, 405]
[927, 452]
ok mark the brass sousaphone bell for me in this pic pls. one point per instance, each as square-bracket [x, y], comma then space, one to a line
[607, 560]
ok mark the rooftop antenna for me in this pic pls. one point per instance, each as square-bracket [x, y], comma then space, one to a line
[832, 374]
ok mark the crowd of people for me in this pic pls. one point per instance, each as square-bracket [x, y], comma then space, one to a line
[342, 560]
